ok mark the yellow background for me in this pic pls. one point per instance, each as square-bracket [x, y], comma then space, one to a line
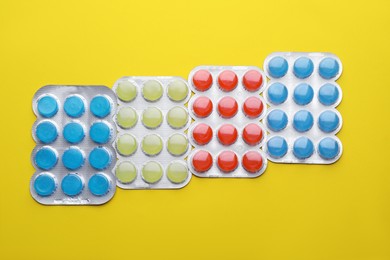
[341, 211]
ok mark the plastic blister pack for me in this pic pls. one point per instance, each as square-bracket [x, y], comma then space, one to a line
[151, 143]
[73, 156]
[227, 133]
[302, 118]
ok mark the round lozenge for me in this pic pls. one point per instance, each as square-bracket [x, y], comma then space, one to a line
[74, 106]
[227, 161]
[328, 148]
[177, 172]
[277, 147]
[100, 132]
[227, 107]
[202, 80]
[303, 121]
[328, 68]
[46, 132]
[45, 184]
[73, 132]
[277, 67]
[99, 184]
[126, 144]
[177, 117]
[100, 158]
[303, 148]
[46, 158]
[328, 121]
[277, 120]
[253, 107]
[227, 134]
[303, 94]
[303, 67]
[177, 90]
[73, 158]
[277, 93]
[328, 94]
[252, 134]
[252, 161]
[100, 106]
[152, 90]
[152, 144]
[72, 184]
[252, 80]
[126, 91]
[152, 172]
[177, 144]
[126, 117]
[227, 80]
[202, 107]
[202, 161]
[47, 106]
[202, 134]
[126, 172]
[152, 117]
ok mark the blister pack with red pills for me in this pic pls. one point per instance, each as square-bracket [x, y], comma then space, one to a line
[226, 132]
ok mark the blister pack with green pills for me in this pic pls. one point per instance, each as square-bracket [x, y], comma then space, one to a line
[151, 144]
[73, 156]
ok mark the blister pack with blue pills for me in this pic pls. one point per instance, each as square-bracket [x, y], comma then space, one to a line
[302, 118]
[73, 156]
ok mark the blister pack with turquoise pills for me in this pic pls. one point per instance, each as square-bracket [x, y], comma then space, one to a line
[151, 144]
[73, 156]
[302, 119]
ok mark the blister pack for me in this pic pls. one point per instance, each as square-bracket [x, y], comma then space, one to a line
[151, 143]
[302, 118]
[73, 156]
[227, 133]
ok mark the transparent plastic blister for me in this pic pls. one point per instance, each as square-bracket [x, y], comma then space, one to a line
[226, 132]
[302, 118]
[151, 144]
[73, 132]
